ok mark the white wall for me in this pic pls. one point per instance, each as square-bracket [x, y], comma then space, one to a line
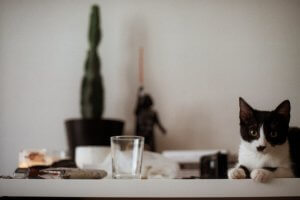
[200, 56]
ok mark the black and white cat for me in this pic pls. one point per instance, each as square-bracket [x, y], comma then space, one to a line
[269, 148]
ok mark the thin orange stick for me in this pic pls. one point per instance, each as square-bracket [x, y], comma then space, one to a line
[141, 66]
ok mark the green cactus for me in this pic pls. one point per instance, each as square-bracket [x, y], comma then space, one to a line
[92, 92]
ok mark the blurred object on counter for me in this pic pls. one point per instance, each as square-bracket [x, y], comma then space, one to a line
[33, 171]
[21, 173]
[189, 160]
[156, 166]
[88, 157]
[45, 172]
[28, 158]
[5, 177]
[40, 157]
[64, 163]
[189, 156]
[188, 170]
[214, 166]
[71, 173]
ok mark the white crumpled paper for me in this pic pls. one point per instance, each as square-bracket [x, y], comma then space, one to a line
[154, 165]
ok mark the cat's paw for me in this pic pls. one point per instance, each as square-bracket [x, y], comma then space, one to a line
[261, 175]
[236, 173]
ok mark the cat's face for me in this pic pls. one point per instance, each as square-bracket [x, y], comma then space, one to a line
[263, 130]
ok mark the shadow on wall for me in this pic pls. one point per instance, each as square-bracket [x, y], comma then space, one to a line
[195, 127]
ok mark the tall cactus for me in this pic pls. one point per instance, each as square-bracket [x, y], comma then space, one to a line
[92, 92]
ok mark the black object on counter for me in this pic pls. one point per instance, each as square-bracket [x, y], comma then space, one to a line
[34, 171]
[214, 166]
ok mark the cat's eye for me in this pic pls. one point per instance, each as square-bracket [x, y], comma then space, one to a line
[273, 134]
[253, 133]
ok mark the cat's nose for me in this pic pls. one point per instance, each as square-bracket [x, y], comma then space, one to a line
[260, 148]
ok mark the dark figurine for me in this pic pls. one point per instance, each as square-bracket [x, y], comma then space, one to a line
[146, 119]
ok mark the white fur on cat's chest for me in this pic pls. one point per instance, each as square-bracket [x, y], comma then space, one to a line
[277, 157]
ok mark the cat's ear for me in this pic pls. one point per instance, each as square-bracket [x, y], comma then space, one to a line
[284, 109]
[246, 111]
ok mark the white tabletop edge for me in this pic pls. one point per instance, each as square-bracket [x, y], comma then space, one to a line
[289, 187]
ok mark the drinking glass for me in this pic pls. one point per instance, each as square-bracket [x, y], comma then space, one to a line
[127, 154]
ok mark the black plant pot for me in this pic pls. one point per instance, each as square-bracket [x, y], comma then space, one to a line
[91, 132]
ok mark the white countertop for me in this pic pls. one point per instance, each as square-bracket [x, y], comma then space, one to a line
[288, 187]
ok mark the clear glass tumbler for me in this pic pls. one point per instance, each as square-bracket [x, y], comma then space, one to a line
[127, 154]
